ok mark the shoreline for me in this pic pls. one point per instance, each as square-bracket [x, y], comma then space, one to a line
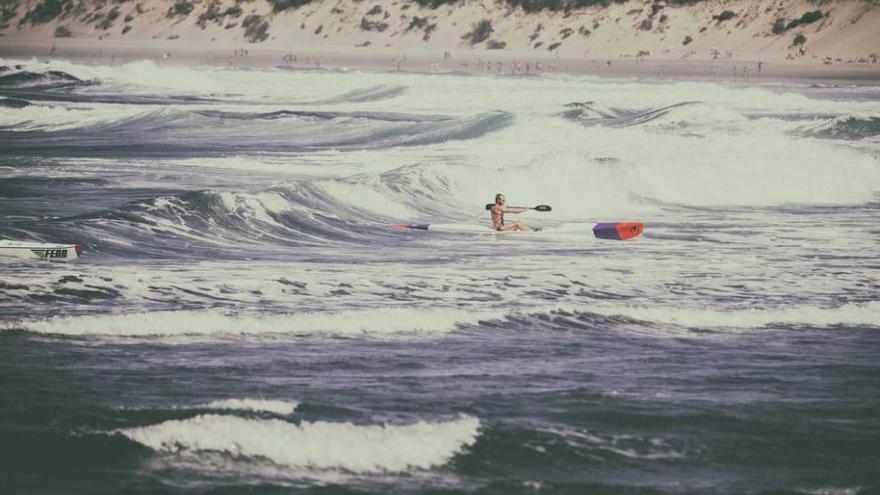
[474, 61]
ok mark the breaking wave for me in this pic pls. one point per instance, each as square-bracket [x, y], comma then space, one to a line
[684, 115]
[393, 321]
[847, 127]
[170, 132]
[362, 95]
[53, 86]
[14, 103]
[42, 80]
[279, 407]
[852, 314]
[380, 321]
[314, 445]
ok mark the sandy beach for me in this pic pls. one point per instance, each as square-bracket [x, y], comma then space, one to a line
[731, 41]
[428, 60]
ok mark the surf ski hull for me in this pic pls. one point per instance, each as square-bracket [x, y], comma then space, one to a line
[38, 250]
[618, 231]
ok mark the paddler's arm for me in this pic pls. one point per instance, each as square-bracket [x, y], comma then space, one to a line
[514, 209]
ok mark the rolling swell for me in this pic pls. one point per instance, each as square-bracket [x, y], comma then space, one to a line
[592, 113]
[167, 223]
[847, 127]
[223, 223]
[678, 116]
[604, 326]
[59, 86]
[14, 103]
[173, 132]
[323, 115]
[363, 95]
[45, 80]
[320, 445]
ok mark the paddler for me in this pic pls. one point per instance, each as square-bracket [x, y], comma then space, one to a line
[499, 209]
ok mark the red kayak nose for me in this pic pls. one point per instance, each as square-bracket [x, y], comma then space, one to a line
[619, 231]
[78, 249]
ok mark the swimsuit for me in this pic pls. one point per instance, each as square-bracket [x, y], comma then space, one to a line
[497, 218]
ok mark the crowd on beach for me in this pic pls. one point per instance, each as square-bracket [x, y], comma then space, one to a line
[719, 65]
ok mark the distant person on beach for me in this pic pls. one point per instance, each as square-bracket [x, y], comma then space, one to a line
[499, 209]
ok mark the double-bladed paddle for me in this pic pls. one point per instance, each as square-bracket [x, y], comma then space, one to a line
[536, 208]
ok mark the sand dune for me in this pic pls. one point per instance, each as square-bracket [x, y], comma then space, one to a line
[832, 33]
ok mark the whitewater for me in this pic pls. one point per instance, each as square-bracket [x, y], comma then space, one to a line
[244, 318]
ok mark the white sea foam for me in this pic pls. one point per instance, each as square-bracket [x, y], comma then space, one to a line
[856, 314]
[832, 491]
[319, 445]
[258, 206]
[255, 405]
[379, 321]
[59, 117]
[280, 407]
[408, 321]
[542, 156]
[363, 197]
[630, 446]
[142, 74]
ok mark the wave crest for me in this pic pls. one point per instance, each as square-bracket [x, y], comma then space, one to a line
[847, 127]
[381, 321]
[320, 445]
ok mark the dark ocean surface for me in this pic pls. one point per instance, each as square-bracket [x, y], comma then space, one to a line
[243, 318]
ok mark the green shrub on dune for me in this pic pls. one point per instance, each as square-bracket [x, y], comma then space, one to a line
[256, 29]
[726, 16]
[282, 5]
[46, 11]
[180, 9]
[559, 5]
[417, 23]
[808, 18]
[63, 32]
[495, 45]
[108, 20]
[434, 3]
[212, 14]
[539, 5]
[480, 32]
[368, 25]
[8, 10]
[779, 26]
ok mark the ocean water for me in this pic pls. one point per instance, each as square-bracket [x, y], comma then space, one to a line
[243, 318]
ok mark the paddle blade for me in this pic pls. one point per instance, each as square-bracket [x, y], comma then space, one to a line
[539, 207]
[417, 226]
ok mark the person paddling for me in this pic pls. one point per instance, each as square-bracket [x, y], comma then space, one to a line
[499, 209]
